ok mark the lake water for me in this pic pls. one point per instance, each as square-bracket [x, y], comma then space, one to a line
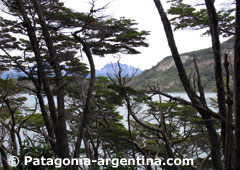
[123, 110]
[31, 100]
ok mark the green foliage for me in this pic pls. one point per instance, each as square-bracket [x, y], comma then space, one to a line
[116, 139]
[11, 104]
[103, 36]
[116, 36]
[182, 126]
[105, 134]
[36, 151]
[124, 91]
[104, 94]
[8, 88]
[188, 16]
[35, 121]
[113, 134]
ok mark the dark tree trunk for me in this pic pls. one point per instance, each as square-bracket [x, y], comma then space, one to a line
[62, 140]
[4, 158]
[87, 110]
[237, 89]
[12, 125]
[47, 122]
[229, 133]
[213, 24]
[59, 133]
[212, 135]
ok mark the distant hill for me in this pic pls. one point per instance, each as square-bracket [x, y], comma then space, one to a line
[112, 68]
[166, 76]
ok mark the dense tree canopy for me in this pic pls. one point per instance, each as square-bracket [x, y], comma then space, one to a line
[76, 114]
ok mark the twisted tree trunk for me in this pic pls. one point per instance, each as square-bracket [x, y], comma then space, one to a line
[212, 134]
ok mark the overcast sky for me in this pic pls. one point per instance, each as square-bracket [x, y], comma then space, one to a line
[145, 13]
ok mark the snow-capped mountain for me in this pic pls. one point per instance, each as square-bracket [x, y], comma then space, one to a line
[113, 68]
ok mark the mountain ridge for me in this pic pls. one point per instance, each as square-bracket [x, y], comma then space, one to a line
[165, 75]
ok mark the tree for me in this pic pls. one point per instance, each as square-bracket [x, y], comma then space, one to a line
[163, 129]
[185, 14]
[190, 16]
[13, 117]
[40, 33]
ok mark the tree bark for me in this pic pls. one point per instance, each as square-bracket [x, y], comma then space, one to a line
[47, 122]
[236, 91]
[13, 124]
[86, 111]
[212, 135]
[4, 158]
[213, 24]
[62, 140]
[40, 66]
[229, 133]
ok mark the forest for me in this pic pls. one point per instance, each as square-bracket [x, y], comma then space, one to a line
[74, 114]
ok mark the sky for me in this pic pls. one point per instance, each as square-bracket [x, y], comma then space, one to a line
[145, 13]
